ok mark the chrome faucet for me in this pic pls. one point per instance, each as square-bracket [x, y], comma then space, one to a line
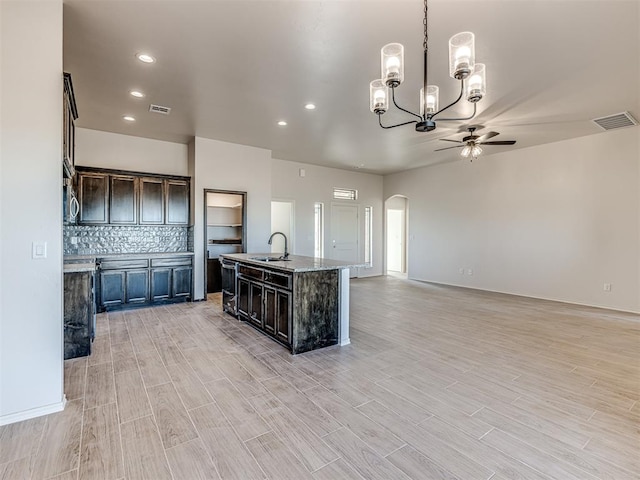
[286, 253]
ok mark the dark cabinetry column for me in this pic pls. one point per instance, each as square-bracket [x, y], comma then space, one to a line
[137, 283]
[111, 288]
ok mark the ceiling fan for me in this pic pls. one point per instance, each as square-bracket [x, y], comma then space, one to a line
[471, 143]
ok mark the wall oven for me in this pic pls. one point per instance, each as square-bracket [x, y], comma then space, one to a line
[228, 281]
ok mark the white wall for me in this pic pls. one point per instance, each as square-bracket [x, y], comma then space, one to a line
[31, 368]
[555, 221]
[124, 152]
[317, 186]
[227, 166]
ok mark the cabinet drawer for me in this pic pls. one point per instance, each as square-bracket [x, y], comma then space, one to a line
[278, 279]
[123, 264]
[250, 272]
[171, 262]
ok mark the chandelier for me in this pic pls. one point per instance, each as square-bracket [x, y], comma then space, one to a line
[462, 66]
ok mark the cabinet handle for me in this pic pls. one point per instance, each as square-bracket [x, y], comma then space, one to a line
[75, 207]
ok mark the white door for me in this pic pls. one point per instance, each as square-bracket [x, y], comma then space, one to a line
[395, 240]
[344, 234]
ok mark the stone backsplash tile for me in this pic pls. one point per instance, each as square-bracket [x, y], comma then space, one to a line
[114, 239]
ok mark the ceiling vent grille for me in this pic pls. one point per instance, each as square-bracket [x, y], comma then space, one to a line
[619, 120]
[159, 109]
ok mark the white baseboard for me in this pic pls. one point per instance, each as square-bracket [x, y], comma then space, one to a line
[346, 341]
[33, 413]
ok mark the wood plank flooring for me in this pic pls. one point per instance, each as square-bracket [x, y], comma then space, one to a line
[439, 383]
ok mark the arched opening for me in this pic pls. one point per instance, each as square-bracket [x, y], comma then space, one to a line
[396, 233]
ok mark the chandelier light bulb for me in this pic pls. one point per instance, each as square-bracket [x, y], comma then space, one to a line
[461, 55]
[392, 64]
[431, 103]
[378, 97]
[477, 85]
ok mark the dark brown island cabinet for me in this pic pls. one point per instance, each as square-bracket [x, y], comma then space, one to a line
[79, 310]
[116, 197]
[302, 303]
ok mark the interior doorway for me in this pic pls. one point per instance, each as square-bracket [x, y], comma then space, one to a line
[345, 235]
[396, 236]
[282, 215]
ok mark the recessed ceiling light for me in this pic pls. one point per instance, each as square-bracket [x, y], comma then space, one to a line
[128, 118]
[282, 123]
[145, 57]
[136, 93]
[310, 106]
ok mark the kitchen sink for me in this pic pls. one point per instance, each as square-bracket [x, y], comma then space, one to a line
[270, 259]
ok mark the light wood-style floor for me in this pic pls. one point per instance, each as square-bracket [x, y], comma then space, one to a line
[439, 383]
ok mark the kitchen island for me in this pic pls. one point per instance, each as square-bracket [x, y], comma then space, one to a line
[301, 302]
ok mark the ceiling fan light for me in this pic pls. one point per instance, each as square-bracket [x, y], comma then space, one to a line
[475, 151]
[378, 97]
[462, 55]
[431, 102]
[466, 151]
[392, 64]
[477, 84]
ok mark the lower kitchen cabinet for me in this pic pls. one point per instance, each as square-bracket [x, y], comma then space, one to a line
[264, 302]
[277, 310]
[136, 286]
[112, 288]
[126, 283]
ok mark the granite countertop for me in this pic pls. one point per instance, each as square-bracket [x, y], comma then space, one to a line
[76, 267]
[296, 263]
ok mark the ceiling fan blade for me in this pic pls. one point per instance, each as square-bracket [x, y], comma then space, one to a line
[500, 142]
[447, 140]
[448, 148]
[486, 136]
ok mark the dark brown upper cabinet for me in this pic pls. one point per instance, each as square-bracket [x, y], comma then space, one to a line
[117, 197]
[93, 196]
[177, 202]
[151, 201]
[123, 200]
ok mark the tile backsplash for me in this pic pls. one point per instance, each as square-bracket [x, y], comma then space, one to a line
[114, 239]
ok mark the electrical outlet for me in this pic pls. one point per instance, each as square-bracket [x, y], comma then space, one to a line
[607, 287]
[469, 271]
[74, 240]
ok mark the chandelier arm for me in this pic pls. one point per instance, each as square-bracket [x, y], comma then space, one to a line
[452, 103]
[393, 97]
[464, 118]
[393, 126]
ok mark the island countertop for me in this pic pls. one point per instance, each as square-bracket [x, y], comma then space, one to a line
[296, 263]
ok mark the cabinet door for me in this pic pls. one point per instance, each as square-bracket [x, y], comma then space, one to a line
[93, 193]
[283, 316]
[151, 201]
[123, 200]
[111, 288]
[137, 286]
[177, 202]
[160, 284]
[243, 297]
[255, 304]
[270, 309]
[182, 281]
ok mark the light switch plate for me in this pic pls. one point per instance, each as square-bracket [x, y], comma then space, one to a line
[39, 250]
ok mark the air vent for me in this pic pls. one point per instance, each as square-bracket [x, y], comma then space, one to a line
[619, 120]
[159, 109]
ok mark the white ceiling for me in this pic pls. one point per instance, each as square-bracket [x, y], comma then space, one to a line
[230, 70]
